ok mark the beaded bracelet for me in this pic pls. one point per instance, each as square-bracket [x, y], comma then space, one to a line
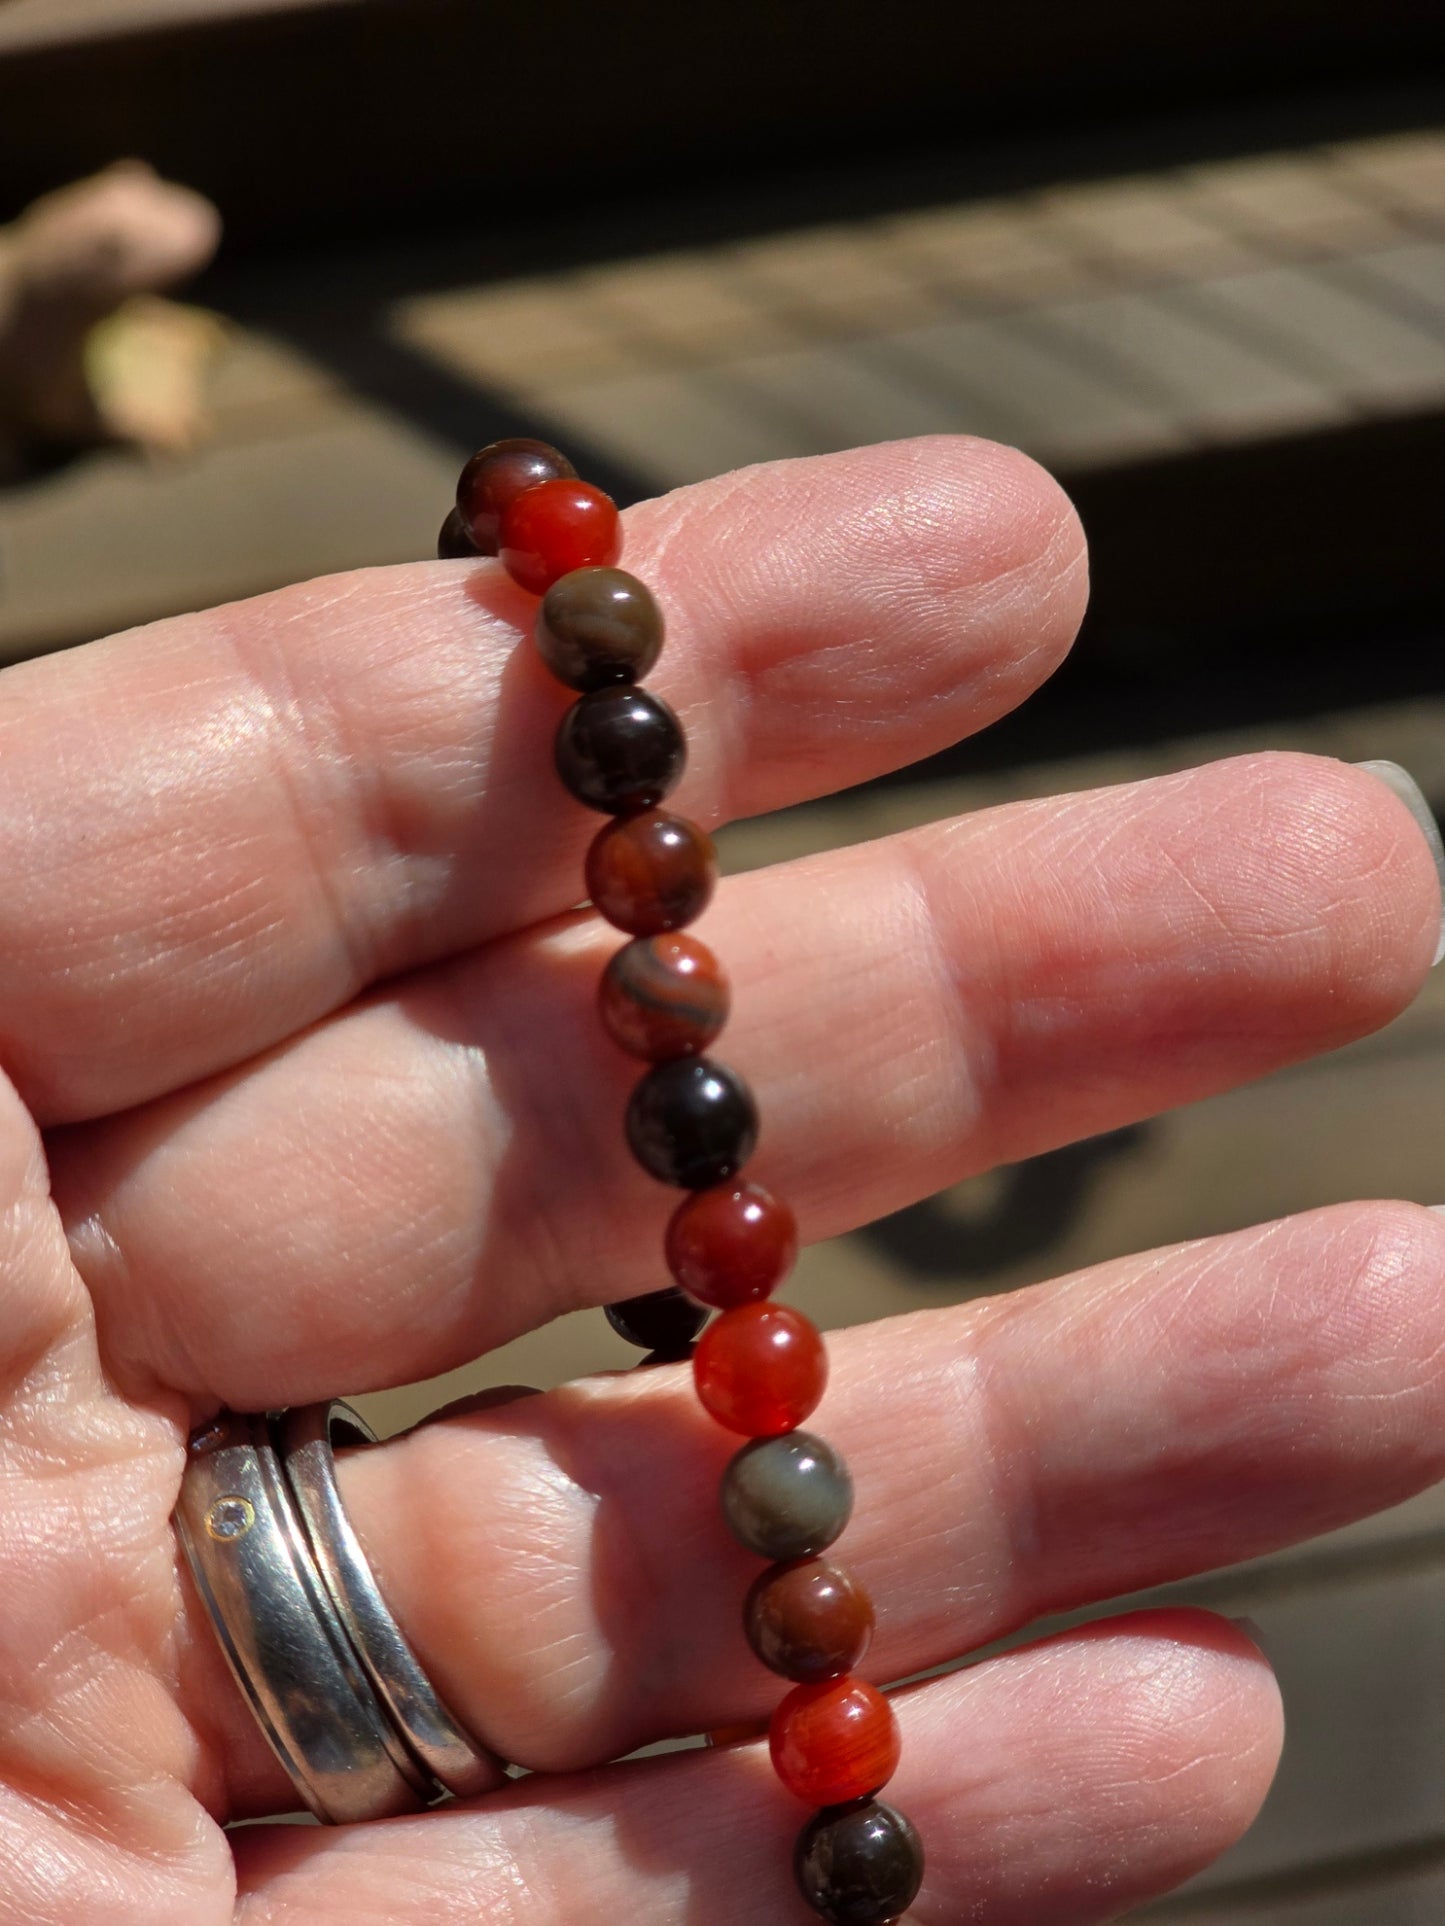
[759, 1367]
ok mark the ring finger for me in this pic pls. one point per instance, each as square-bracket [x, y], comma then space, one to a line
[559, 1564]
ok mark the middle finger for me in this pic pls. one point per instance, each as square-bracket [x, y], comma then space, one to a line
[442, 1167]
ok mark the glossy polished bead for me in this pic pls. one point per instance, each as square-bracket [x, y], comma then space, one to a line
[663, 1322]
[860, 1864]
[598, 626]
[835, 1742]
[651, 872]
[454, 543]
[788, 1496]
[760, 1370]
[808, 1621]
[692, 1122]
[495, 476]
[732, 1245]
[663, 996]
[619, 750]
[554, 527]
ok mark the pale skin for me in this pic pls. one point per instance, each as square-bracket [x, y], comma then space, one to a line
[306, 1096]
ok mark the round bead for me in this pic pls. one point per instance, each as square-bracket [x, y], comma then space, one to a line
[663, 996]
[835, 1742]
[554, 527]
[454, 543]
[732, 1245]
[788, 1496]
[493, 479]
[620, 750]
[664, 1322]
[598, 626]
[808, 1621]
[652, 872]
[859, 1865]
[760, 1370]
[692, 1122]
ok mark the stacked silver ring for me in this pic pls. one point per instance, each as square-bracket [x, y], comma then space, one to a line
[339, 1693]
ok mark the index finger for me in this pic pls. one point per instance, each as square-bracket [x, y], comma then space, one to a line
[217, 829]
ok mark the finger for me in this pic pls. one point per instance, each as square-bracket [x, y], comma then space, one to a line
[561, 1568]
[1056, 1786]
[444, 1166]
[217, 829]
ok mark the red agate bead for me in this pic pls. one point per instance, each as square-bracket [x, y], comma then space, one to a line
[557, 526]
[731, 1245]
[835, 1742]
[760, 1369]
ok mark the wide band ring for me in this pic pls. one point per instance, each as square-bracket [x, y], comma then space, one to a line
[306, 1437]
[282, 1635]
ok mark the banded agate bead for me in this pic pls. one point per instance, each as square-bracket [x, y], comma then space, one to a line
[835, 1742]
[494, 478]
[651, 873]
[808, 1621]
[663, 996]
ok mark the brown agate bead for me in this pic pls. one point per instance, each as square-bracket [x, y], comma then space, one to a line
[598, 626]
[651, 873]
[663, 996]
[493, 479]
[732, 1245]
[808, 1621]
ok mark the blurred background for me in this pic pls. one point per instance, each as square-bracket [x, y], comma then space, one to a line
[1192, 258]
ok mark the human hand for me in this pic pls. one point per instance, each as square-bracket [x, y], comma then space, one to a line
[307, 1096]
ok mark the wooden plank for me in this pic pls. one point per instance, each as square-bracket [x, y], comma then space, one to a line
[1208, 384]
[686, 303]
[670, 427]
[1358, 349]
[833, 277]
[1402, 173]
[1414, 275]
[358, 490]
[1145, 227]
[1380, 1897]
[46, 23]
[1287, 203]
[1024, 389]
[510, 334]
[837, 397]
[1001, 253]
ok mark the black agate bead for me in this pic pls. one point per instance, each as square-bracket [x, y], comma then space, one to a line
[620, 750]
[860, 1864]
[692, 1122]
[663, 1322]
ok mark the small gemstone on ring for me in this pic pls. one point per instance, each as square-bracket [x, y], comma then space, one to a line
[230, 1518]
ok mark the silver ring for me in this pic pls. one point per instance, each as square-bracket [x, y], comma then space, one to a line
[305, 1437]
[280, 1632]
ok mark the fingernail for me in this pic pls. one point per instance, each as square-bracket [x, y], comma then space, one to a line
[1413, 796]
